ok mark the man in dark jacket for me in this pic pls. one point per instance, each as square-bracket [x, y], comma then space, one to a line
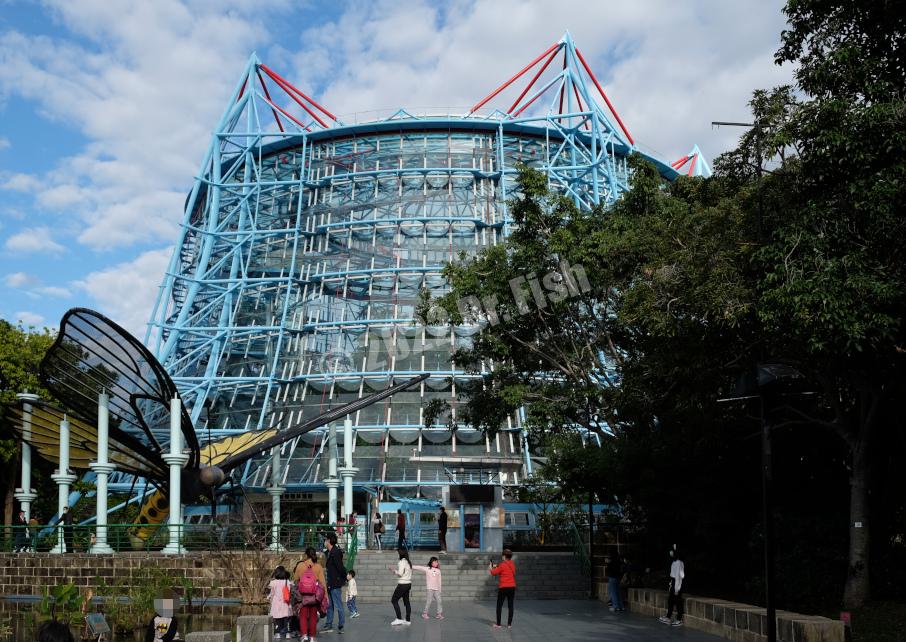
[400, 529]
[66, 520]
[442, 529]
[614, 572]
[336, 578]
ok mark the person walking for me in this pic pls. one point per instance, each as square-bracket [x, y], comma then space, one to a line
[34, 527]
[309, 576]
[506, 585]
[675, 587]
[378, 529]
[336, 579]
[352, 528]
[614, 572]
[432, 574]
[66, 520]
[400, 529]
[352, 590]
[403, 572]
[280, 596]
[20, 540]
[442, 530]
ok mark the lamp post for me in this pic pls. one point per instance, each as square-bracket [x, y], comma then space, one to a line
[767, 383]
[767, 461]
[758, 170]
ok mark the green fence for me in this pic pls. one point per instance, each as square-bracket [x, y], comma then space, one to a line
[192, 537]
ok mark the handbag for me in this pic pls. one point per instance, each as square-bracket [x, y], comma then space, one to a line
[322, 598]
[287, 594]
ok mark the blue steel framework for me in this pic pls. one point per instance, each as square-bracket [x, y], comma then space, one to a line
[305, 244]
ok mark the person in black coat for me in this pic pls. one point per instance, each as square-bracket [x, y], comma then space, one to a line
[442, 529]
[66, 520]
[614, 572]
[336, 579]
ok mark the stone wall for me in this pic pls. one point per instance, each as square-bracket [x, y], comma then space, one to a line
[225, 577]
[734, 621]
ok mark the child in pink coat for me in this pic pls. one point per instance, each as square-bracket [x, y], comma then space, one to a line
[281, 610]
[432, 573]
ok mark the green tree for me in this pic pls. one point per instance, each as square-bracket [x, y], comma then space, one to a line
[835, 284]
[21, 350]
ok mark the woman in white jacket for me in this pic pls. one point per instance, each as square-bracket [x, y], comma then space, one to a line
[403, 571]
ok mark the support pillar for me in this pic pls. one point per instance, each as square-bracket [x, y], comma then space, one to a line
[64, 479]
[347, 472]
[102, 467]
[276, 491]
[175, 459]
[332, 482]
[24, 494]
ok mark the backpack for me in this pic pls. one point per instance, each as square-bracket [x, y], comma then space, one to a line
[287, 594]
[381, 528]
[308, 583]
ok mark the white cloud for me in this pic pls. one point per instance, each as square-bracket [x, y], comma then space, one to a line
[146, 84]
[19, 182]
[146, 88]
[4, 143]
[126, 292]
[19, 279]
[53, 291]
[669, 68]
[33, 240]
[27, 318]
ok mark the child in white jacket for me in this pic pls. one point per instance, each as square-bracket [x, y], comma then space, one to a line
[352, 590]
[432, 574]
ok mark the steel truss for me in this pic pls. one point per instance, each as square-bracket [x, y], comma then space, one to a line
[305, 244]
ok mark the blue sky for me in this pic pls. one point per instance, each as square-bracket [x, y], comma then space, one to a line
[106, 107]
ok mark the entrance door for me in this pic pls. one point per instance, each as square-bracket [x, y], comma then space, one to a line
[471, 527]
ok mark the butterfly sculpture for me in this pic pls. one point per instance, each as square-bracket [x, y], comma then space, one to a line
[92, 354]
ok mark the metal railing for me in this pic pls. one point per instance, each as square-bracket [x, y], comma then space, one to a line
[580, 550]
[192, 537]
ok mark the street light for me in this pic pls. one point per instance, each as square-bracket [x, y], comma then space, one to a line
[766, 379]
[758, 169]
[767, 382]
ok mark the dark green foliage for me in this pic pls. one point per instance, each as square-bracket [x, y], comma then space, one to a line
[695, 282]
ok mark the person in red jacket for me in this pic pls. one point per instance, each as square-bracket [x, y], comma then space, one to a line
[506, 585]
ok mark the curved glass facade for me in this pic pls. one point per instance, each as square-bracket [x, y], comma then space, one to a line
[297, 280]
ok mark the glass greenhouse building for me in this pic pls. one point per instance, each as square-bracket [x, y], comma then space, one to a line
[305, 245]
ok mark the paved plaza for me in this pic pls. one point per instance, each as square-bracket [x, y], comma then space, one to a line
[534, 621]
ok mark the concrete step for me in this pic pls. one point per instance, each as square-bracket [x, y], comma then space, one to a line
[465, 576]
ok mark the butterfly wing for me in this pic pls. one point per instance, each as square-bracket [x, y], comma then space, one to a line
[38, 424]
[93, 354]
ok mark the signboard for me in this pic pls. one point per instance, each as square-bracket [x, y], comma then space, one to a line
[97, 625]
[472, 494]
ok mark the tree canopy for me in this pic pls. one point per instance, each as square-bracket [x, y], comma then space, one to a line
[631, 322]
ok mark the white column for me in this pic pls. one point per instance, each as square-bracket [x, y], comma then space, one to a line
[275, 491]
[176, 459]
[63, 478]
[347, 472]
[332, 482]
[24, 494]
[102, 468]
